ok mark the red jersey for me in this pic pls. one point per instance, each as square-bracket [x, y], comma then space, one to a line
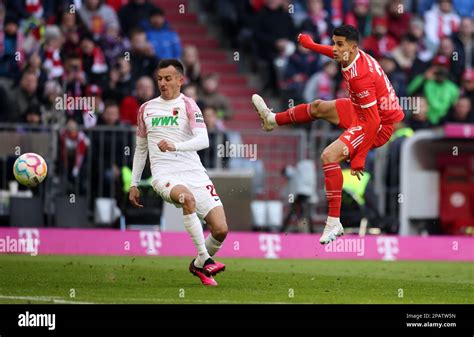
[368, 86]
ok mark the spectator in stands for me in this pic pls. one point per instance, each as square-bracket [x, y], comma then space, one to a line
[113, 45]
[164, 40]
[121, 83]
[191, 90]
[456, 66]
[34, 64]
[209, 156]
[463, 42]
[398, 19]
[211, 96]
[90, 117]
[73, 146]
[144, 91]
[440, 92]
[93, 61]
[72, 31]
[6, 106]
[407, 58]
[75, 80]
[425, 48]
[379, 42]
[318, 23]
[440, 21]
[32, 116]
[360, 17]
[301, 65]
[274, 33]
[322, 85]
[462, 112]
[50, 113]
[419, 117]
[52, 63]
[23, 96]
[192, 65]
[11, 38]
[397, 78]
[468, 85]
[109, 149]
[132, 14]
[142, 55]
[98, 17]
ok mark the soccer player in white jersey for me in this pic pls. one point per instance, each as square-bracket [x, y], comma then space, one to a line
[171, 129]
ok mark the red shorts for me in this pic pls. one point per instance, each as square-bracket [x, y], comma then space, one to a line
[354, 134]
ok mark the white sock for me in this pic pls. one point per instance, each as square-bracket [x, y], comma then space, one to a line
[194, 228]
[212, 245]
[272, 119]
[332, 221]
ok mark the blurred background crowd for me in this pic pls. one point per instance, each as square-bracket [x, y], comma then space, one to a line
[109, 50]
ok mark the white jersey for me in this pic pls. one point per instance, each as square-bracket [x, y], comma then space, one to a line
[172, 120]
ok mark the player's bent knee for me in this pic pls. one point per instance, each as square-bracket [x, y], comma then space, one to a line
[189, 203]
[327, 157]
[220, 233]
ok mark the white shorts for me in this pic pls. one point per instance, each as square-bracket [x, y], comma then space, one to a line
[197, 182]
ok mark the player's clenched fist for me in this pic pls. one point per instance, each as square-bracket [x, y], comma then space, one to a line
[134, 197]
[305, 40]
[165, 145]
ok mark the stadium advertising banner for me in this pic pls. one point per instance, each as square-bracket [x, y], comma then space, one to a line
[35, 241]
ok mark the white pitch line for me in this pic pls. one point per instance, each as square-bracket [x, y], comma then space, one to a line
[54, 299]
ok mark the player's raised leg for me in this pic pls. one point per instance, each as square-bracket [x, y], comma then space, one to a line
[330, 158]
[302, 113]
[182, 195]
[218, 225]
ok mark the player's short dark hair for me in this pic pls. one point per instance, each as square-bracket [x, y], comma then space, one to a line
[351, 33]
[165, 63]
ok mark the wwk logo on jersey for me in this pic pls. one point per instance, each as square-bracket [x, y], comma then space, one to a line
[164, 121]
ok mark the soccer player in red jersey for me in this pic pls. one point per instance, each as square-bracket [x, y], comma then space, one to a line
[368, 116]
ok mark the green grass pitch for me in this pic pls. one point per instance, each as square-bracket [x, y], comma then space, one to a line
[94, 279]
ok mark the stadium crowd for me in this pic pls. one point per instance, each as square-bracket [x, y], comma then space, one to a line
[425, 47]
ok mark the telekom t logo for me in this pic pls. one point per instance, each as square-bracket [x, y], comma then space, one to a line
[388, 247]
[150, 240]
[270, 245]
[30, 237]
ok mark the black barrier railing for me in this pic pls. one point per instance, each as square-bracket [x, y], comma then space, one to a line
[87, 164]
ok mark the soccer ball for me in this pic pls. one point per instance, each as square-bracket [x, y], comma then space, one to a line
[30, 169]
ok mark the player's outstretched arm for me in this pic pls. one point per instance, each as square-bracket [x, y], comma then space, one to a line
[307, 42]
[139, 161]
[199, 141]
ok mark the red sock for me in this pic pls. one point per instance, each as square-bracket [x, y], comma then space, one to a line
[333, 180]
[298, 114]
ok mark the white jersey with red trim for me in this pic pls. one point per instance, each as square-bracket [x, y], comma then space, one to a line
[172, 120]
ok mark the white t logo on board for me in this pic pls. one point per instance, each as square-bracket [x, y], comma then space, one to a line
[270, 245]
[29, 238]
[388, 247]
[151, 241]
